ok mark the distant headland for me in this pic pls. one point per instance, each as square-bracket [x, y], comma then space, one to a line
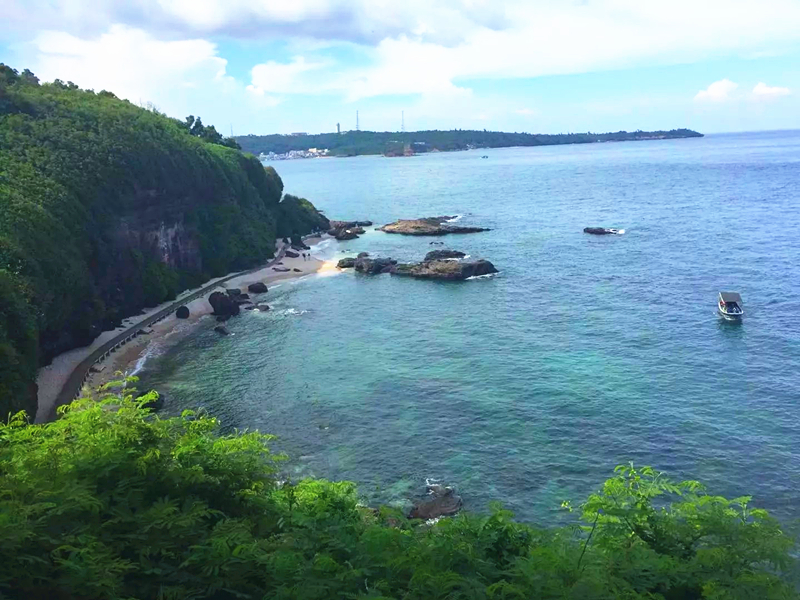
[408, 143]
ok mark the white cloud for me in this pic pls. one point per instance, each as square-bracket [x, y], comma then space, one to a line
[284, 78]
[762, 90]
[129, 62]
[719, 91]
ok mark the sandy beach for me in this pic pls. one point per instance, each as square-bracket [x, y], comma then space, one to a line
[164, 334]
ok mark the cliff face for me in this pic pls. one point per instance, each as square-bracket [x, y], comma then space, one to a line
[107, 208]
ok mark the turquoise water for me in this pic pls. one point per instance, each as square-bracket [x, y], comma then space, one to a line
[583, 353]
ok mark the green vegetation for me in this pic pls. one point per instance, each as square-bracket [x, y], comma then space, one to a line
[353, 143]
[105, 208]
[111, 501]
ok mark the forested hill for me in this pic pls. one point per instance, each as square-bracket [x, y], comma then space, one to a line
[106, 208]
[353, 143]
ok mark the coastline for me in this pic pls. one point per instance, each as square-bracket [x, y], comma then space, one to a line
[164, 334]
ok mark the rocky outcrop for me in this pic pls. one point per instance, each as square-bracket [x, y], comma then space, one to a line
[362, 255]
[346, 263]
[350, 224]
[223, 304]
[445, 269]
[182, 312]
[601, 231]
[443, 254]
[242, 299]
[347, 230]
[233, 292]
[257, 288]
[441, 502]
[374, 266]
[290, 254]
[427, 226]
[262, 307]
[222, 330]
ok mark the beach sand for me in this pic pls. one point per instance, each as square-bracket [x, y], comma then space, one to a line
[52, 378]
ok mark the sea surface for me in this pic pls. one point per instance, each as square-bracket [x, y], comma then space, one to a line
[583, 353]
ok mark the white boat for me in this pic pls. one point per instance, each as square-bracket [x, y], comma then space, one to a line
[730, 305]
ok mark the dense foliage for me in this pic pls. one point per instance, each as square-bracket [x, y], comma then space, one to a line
[352, 143]
[111, 501]
[105, 208]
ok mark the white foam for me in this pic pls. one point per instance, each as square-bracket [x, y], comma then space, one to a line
[454, 219]
[487, 276]
[294, 311]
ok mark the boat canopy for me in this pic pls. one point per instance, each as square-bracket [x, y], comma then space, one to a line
[730, 297]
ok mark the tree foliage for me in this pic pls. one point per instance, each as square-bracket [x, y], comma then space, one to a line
[91, 189]
[111, 501]
[353, 143]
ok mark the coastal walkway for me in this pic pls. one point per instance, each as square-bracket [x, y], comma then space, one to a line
[72, 387]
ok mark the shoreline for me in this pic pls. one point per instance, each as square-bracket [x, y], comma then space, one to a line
[164, 334]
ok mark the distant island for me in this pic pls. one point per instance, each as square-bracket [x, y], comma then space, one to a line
[357, 143]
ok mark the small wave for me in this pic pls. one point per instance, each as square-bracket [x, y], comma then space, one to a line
[620, 232]
[294, 311]
[150, 351]
[487, 276]
[454, 219]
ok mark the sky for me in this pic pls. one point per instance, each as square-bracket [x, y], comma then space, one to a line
[541, 66]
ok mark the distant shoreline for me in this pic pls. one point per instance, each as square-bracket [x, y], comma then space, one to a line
[368, 143]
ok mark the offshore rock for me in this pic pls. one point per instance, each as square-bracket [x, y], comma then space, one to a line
[446, 269]
[222, 330]
[443, 254]
[223, 304]
[257, 288]
[601, 230]
[347, 263]
[234, 292]
[373, 266]
[262, 307]
[290, 254]
[427, 226]
[182, 312]
[442, 502]
[362, 255]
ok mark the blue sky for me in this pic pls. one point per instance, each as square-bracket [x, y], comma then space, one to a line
[260, 66]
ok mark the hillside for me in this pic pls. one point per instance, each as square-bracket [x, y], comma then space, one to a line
[106, 208]
[353, 143]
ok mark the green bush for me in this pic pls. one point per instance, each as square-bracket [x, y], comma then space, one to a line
[111, 501]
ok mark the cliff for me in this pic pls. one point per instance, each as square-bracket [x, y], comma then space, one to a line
[106, 208]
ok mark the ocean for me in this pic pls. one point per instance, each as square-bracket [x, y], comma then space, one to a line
[583, 353]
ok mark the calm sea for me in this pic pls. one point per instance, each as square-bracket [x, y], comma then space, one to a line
[583, 353]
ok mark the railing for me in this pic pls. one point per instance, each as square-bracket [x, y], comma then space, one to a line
[72, 387]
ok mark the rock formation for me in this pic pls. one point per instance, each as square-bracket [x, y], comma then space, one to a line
[427, 226]
[374, 265]
[445, 269]
[222, 330]
[443, 254]
[600, 230]
[346, 263]
[257, 288]
[223, 304]
[182, 312]
[441, 502]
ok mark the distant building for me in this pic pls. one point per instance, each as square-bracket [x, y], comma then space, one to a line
[299, 133]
